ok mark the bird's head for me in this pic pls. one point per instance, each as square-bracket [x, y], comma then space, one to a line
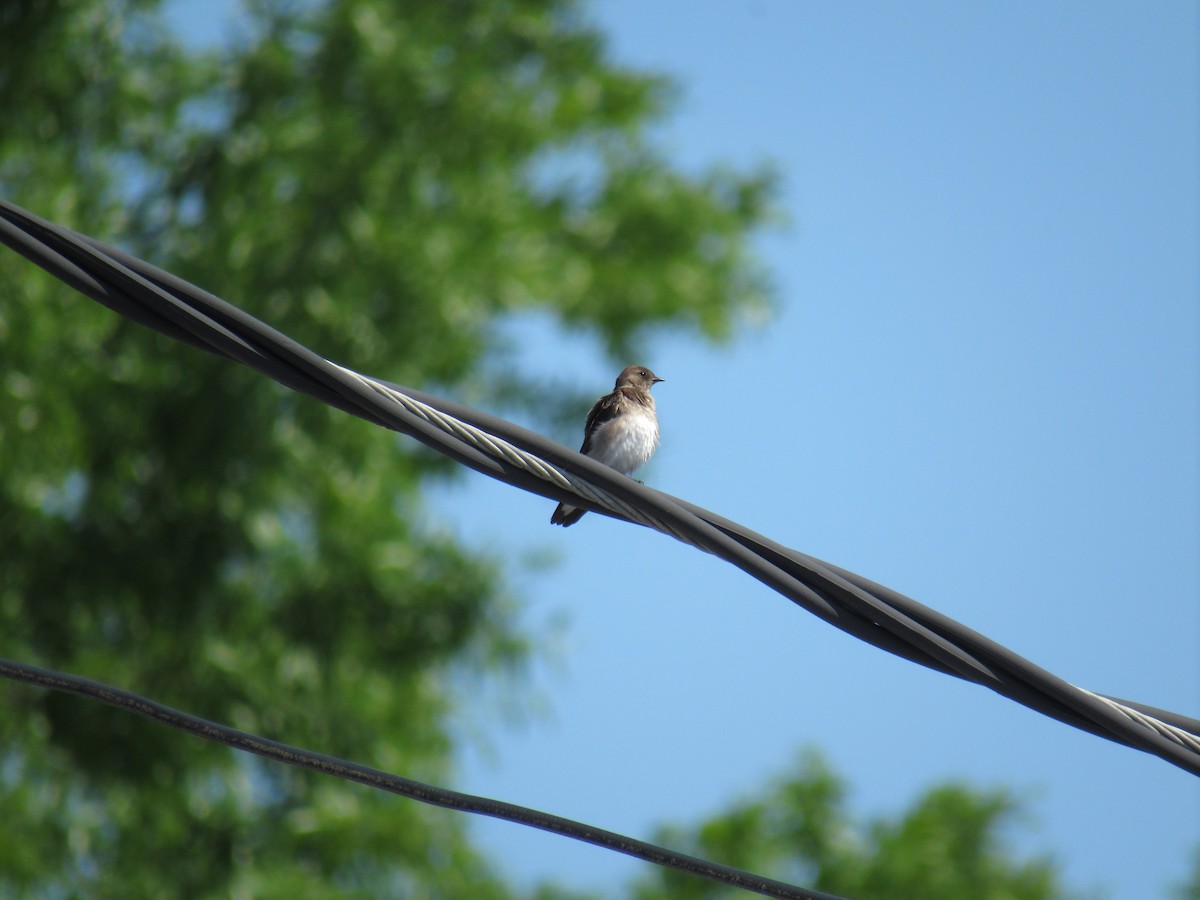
[638, 377]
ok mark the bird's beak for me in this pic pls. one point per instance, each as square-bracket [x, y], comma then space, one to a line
[657, 380]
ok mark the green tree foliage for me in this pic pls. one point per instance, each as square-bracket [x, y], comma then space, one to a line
[1189, 889]
[948, 845]
[386, 182]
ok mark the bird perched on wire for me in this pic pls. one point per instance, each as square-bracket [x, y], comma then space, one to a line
[621, 431]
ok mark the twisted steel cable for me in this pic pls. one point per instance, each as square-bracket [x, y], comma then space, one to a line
[869, 611]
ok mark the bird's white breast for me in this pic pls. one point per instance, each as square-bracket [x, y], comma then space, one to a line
[626, 442]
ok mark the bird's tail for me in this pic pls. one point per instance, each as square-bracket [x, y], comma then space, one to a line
[566, 515]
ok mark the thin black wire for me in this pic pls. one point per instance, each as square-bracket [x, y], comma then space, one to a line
[860, 607]
[396, 784]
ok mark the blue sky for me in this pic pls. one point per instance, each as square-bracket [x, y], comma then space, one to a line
[982, 388]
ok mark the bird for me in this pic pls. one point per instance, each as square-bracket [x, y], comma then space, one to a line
[621, 431]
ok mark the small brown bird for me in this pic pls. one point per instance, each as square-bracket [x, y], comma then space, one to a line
[621, 431]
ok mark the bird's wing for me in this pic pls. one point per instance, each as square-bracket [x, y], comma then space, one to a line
[606, 409]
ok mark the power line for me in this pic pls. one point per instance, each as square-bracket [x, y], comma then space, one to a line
[491, 445]
[395, 784]
[502, 450]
